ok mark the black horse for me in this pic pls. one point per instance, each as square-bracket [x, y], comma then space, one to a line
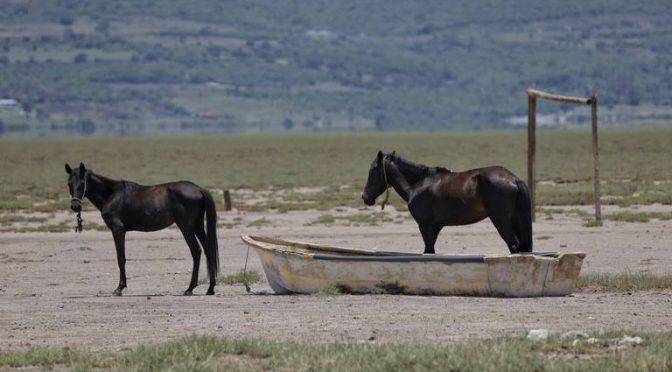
[128, 206]
[437, 197]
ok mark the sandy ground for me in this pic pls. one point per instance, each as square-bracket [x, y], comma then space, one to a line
[55, 288]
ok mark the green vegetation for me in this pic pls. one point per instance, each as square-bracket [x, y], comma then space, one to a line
[626, 282]
[17, 222]
[265, 172]
[228, 225]
[381, 288]
[388, 288]
[52, 227]
[353, 219]
[206, 353]
[147, 66]
[8, 220]
[622, 216]
[628, 216]
[332, 290]
[252, 277]
[591, 223]
[259, 223]
[325, 219]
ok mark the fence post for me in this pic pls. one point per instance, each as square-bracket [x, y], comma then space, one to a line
[532, 95]
[596, 161]
[531, 148]
[227, 200]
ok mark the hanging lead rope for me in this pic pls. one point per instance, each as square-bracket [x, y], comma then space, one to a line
[247, 286]
[79, 227]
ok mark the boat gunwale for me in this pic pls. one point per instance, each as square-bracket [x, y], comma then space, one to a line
[261, 242]
[404, 258]
[276, 246]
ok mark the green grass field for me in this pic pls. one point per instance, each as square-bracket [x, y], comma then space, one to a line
[635, 165]
[204, 353]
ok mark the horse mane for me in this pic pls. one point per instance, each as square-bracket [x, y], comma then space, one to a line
[408, 165]
[416, 168]
[106, 179]
[113, 183]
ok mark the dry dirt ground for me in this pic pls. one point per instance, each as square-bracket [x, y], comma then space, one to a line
[55, 288]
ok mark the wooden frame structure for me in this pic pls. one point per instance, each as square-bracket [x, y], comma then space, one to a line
[532, 95]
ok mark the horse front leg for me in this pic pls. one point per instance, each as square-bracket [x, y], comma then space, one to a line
[119, 235]
[429, 234]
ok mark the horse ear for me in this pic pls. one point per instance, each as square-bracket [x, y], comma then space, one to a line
[394, 152]
[82, 168]
[380, 156]
[67, 168]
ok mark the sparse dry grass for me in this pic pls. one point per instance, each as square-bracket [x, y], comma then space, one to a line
[252, 276]
[513, 353]
[353, 219]
[625, 282]
[621, 216]
[634, 165]
[629, 216]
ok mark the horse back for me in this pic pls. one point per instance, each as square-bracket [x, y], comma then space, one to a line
[499, 177]
[456, 198]
[150, 208]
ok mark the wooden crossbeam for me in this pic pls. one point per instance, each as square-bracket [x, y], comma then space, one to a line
[532, 95]
[554, 97]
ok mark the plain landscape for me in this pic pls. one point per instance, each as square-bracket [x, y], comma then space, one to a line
[283, 106]
[57, 309]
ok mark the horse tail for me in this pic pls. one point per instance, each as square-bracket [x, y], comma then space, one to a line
[523, 217]
[211, 250]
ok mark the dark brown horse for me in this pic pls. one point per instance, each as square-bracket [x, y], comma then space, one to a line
[127, 206]
[437, 197]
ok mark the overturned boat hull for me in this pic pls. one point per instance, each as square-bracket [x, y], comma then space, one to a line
[296, 267]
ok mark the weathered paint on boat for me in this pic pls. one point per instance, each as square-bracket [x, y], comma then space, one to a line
[296, 267]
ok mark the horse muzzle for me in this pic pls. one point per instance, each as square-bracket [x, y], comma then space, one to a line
[368, 200]
[76, 206]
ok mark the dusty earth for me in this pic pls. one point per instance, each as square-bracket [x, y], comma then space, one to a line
[55, 288]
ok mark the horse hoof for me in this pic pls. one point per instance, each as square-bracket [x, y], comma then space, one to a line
[210, 292]
[188, 293]
[117, 292]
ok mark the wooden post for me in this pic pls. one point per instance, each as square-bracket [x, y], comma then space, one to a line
[531, 147]
[532, 95]
[227, 200]
[596, 162]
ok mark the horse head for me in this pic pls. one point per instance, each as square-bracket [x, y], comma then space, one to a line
[377, 181]
[77, 183]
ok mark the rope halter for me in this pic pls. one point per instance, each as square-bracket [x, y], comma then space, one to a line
[81, 199]
[79, 226]
[387, 186]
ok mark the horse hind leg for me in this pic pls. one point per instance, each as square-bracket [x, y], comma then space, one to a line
[505, 228]
[190, 238]
[522, 221]
[200, 234]
[429, 234]
[500, 207]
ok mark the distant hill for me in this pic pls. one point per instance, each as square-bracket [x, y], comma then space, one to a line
[209, 66]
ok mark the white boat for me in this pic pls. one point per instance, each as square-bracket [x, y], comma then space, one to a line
[296, 267]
